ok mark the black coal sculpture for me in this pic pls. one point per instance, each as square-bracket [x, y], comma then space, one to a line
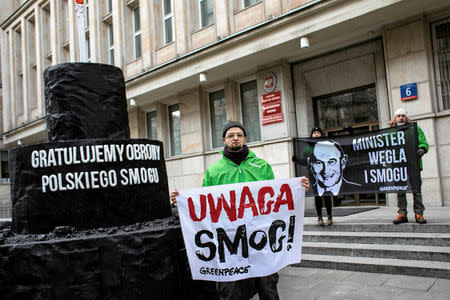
[89, 174]
[91, 214]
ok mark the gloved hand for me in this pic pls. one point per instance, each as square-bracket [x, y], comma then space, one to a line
[420, 152]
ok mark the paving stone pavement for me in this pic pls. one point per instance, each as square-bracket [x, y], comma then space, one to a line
[321, 284]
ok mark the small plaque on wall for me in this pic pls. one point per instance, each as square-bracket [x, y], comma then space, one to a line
[270, 82]
[408, 91]
[271, 108]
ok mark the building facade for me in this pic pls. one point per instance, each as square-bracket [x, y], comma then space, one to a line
[6, 9]
[191, 65]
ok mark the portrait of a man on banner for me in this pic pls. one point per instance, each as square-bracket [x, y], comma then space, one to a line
[327, 163]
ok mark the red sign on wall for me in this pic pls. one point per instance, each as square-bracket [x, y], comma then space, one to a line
[271, 108]
[272, 119]
[275, 96]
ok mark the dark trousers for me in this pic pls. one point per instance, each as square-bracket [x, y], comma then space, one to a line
[245, 289]
[319, 203]
[418, 206]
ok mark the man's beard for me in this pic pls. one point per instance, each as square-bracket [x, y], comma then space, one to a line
[235, 148]
[401, 123]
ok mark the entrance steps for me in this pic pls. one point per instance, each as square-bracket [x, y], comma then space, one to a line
[407, 249]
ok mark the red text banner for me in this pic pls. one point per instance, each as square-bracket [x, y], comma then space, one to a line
[271, 97]
[242, 230]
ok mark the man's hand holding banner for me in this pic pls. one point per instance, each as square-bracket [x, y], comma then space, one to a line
[242, 230]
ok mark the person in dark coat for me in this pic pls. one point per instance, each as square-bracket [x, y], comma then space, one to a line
[316, 132]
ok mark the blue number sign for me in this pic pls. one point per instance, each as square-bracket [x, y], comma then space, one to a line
[408, 91]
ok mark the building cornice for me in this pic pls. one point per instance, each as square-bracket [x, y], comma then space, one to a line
[23, 132]
[24, 126]
[232, 39]
[16, 14]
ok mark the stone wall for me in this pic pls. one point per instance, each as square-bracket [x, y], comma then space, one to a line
[407, 61]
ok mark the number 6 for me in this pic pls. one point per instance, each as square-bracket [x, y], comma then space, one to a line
[408, 91]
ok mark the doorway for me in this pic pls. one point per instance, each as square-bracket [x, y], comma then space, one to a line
[343, 93]
[346, 113]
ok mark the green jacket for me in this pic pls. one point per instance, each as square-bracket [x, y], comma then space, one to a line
[422, 143]
[224, 171]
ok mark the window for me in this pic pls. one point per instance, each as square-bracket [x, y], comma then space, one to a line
[247, 3]
[47, 50]
[66, 20]
[88, 48]
[88, 42]
[347, 108]
[4, 175]
[152, 125]
[108, 6]
[32, 84]
[19, 94]
[137, 33]
[206, 12]
[441, 41]
[111, 44]
[65, 54]
[218, 117]
[168, 21]
[250, 111]
[19, 71]
[86, 5]
[174, 127]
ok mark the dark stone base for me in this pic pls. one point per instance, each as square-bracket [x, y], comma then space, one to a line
[148, 263]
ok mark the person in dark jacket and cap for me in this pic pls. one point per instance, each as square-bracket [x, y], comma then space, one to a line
[316, 132]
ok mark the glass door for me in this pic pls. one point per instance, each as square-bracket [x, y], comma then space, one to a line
[346, 113]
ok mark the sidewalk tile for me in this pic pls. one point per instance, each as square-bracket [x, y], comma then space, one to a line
[441, 286]
[410, 282]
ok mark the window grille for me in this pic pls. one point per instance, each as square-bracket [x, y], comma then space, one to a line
[441, 43]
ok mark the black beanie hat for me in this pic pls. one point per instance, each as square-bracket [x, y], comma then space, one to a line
[316, 129]
[233, 124]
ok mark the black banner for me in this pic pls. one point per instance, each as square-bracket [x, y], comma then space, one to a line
[87, 184]
[381, 161]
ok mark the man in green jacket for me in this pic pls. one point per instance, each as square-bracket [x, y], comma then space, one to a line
[401, 118]
[239, 164]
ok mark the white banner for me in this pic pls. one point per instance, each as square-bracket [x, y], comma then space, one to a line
[242, 230]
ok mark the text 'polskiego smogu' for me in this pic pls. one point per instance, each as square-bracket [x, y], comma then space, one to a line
[101, 177]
